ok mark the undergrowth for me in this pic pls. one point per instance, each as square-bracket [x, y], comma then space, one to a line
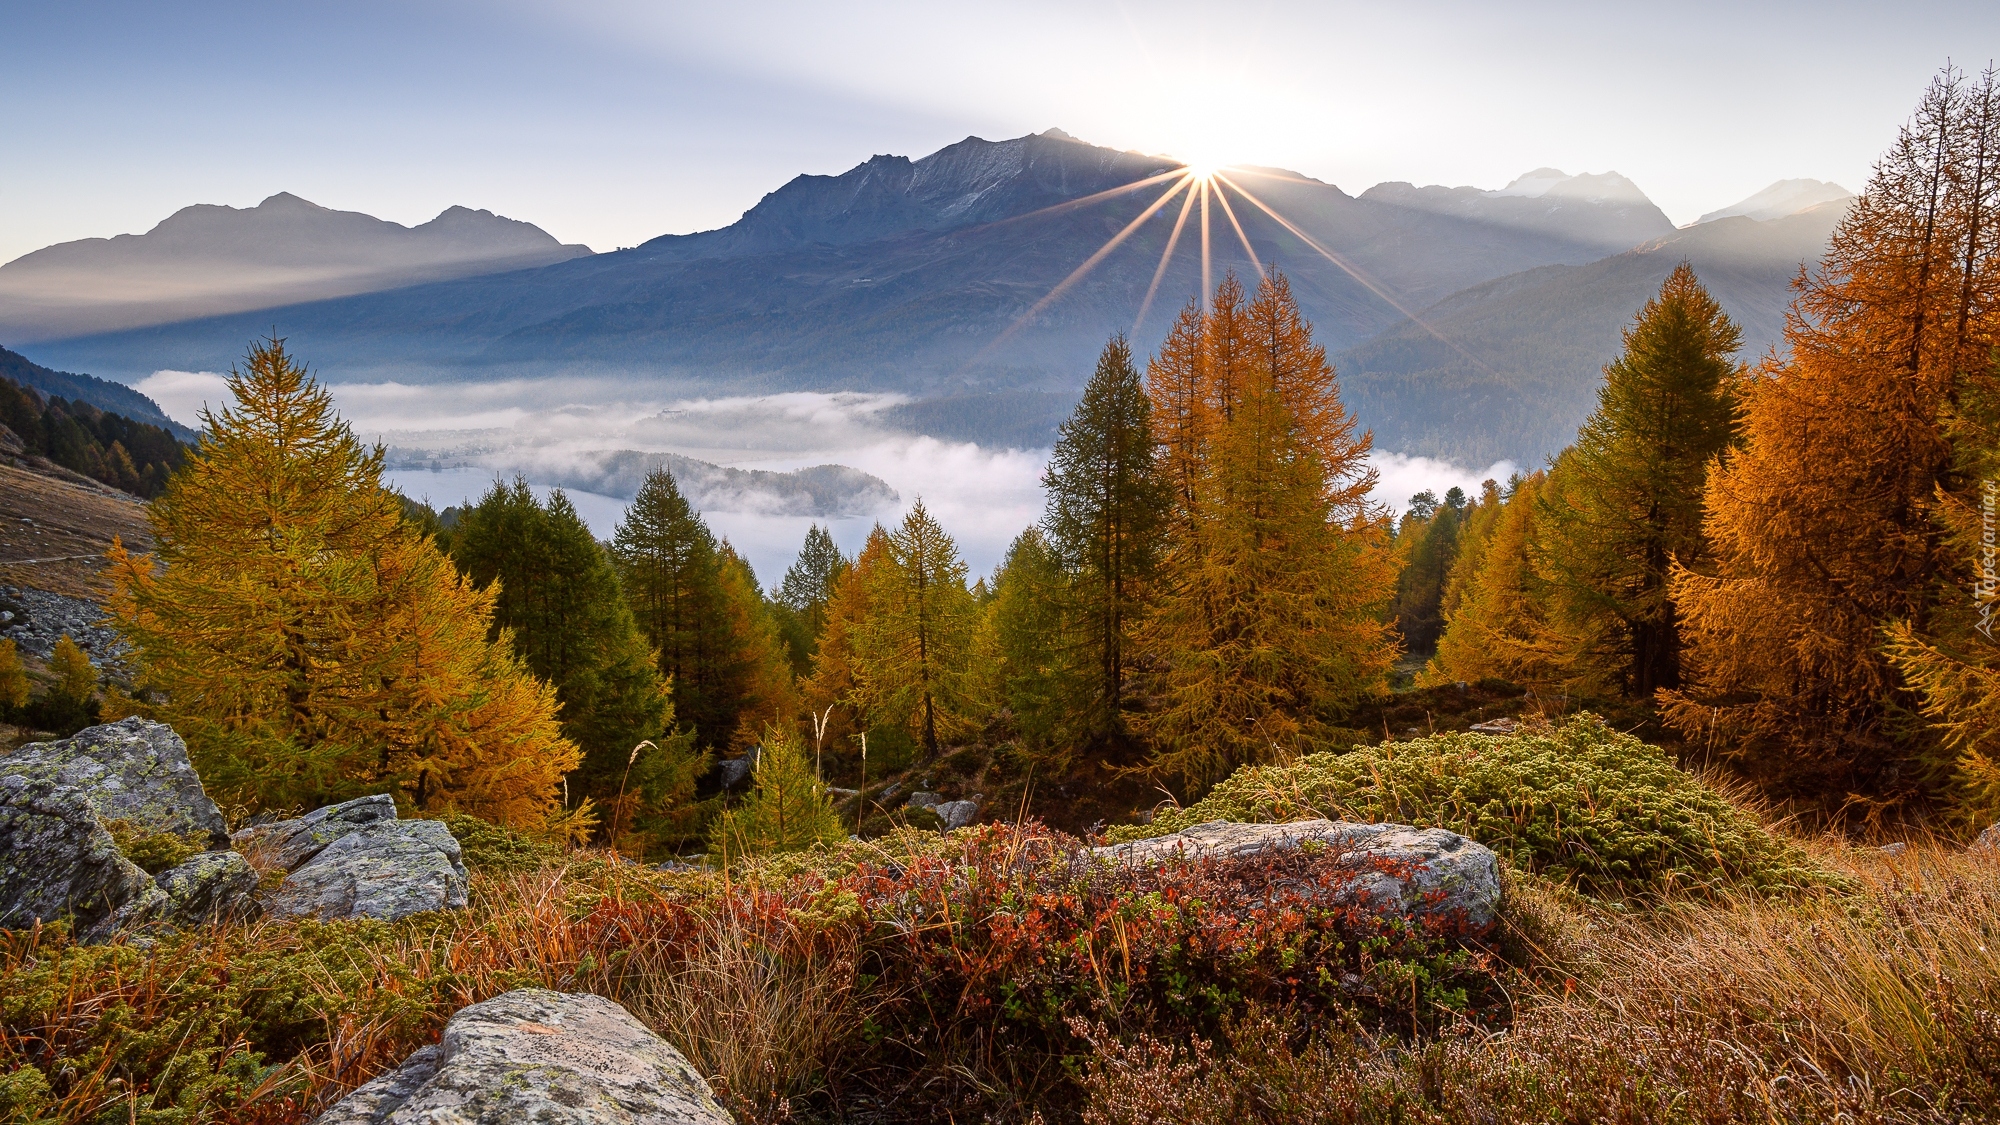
[1578, 802]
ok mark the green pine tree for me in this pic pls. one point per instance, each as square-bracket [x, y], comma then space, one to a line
[1020, 651]
[672, 573]
[559, 600]
[1627, 502]
[916, 643]
[1428, 542]
[803, 595]
[1107, 508]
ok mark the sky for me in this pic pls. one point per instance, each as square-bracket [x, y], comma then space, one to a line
[608, 122]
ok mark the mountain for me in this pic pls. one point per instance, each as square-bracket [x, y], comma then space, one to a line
[1786, 197]
[911, 275]
[207, 260]
[47, 433]
[100, 393]
[818, 491]
[1521, 357]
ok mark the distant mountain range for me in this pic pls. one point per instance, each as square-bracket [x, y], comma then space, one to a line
[914, 276]
[209, 260]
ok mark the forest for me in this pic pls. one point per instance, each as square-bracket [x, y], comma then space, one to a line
[1717, 654]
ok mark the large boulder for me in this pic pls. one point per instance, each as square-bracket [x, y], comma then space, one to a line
[1425, 873]
[552, 1058]
[133, 770]
[288, 844]
[1989, 840]
[57, 860]
[386, 869]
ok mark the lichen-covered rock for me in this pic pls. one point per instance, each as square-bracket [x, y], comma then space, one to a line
[1989, 840]
[551, 1058]
[956, 814]
[210, 887]
[1418, 872]
[132, 770]
[388, 869]
[57, 860]
[288, 844]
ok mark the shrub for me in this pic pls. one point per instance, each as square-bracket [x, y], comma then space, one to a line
[1579, 803]
[495, 848]
[154, 852]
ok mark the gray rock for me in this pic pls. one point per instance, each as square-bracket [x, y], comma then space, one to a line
[924, 800]
[1989, 840]
[1420, 872]
[209, 887]
[388, 869]
[956, 814]
[736, 772]
[551, 1058]
[132, 770]
[288, 844]
[57, 860]
[1893, 850]
[40, 619]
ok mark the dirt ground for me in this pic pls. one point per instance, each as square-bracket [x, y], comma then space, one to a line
[54, 530]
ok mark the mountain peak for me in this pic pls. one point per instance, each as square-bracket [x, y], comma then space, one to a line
[1786, 197]
[1056, 134]
[1600, 187]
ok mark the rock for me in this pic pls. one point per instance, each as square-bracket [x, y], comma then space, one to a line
[923, 800]
[956, 814]
[288, 844]
[735, 772]
[1893, 850]
[1989, 840]
[57, 860]
[1421, 872]
[1496, 726]
[132, 770]
[552, 1058]
[388, 869]
[209, 887]
[41, 618]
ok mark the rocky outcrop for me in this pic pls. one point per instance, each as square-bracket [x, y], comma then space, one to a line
[533, 1055]
[1989, 840]
[37, 619]
[1425, 873]
[952, 814]
[132, 770]
[209, 887]
[385, 869]
[58, 860]
[288, 844]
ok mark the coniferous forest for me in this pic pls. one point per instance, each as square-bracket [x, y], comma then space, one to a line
[1715, 689]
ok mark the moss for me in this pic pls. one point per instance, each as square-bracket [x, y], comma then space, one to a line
[24, 1095]
[155, 852]
[1579, 803]
[495, 848]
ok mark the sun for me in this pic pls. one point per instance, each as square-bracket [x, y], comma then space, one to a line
[1203, 169]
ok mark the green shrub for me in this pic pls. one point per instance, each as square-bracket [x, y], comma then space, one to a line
[155, 852]
[495, 848]
[1579, 803]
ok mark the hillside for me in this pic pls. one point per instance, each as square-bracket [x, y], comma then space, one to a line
[1538, 340]
[903, 275]
[208, 260]
[51, 434]
[101, 393]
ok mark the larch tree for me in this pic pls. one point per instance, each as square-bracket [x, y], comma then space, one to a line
[1426, 547]
[1824, 526]
[308, 643]
[1496, 607]
[1175, 383]
[916, 642]
[1106, 509]
[558, 599]
[1630, 505]
[788, 809]
[837, 692]
[758, 675]
[1267, 622]
[1021, 651]
[13, 680]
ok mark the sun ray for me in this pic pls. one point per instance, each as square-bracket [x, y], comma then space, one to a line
[1094, 197]
[1368, 282]
[1187, 205]
[1222, 197]
[1078, 273]
[1207, 274]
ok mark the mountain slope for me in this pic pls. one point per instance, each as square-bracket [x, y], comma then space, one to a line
[908, 276]
[101, 393]
[1530, 347]
[207, 260]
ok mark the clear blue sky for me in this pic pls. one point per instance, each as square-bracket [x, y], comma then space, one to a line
[611, 121]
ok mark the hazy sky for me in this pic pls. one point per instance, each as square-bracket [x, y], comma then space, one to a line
[611, 121]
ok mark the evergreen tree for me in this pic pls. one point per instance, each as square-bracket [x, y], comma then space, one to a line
[787, 811]
[757, 675]
[672, 573]
[803, 595]
[311, 645]
[1021, 651]
[1106, 509]
[558, 599]
[1824, 525]
[916, 642]
[1427, 545]
[837, 691]
[1176, 383]
[1630, 505]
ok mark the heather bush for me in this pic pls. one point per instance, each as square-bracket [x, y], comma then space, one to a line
[1579, 803]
